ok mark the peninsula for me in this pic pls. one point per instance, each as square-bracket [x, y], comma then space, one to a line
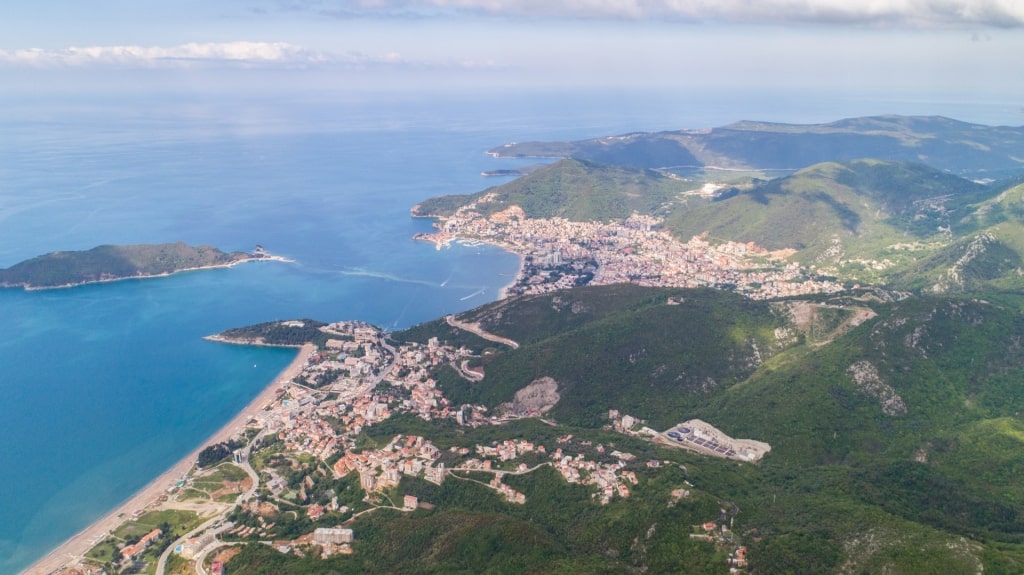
[111, 263]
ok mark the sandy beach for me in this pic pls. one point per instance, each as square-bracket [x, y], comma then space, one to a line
[80, 543]
[503, 293]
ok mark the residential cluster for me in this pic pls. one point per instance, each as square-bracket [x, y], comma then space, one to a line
[559, 253]
[611, 479]
[358, 379]
[353, 353]
[381, 469]
[719, 533]
[321, 421]
[506, 491]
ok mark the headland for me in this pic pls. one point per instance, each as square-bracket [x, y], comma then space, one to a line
[115, 263]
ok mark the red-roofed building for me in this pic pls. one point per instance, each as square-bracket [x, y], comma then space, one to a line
[133, 550]
[316, 512]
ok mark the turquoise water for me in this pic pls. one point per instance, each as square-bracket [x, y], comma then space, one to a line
[103, 386]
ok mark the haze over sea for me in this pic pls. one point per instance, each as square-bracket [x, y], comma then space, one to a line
[102, 387]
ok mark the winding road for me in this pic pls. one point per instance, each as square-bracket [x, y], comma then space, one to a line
[477, 330]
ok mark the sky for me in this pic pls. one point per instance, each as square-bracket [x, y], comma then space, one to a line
[955, 48]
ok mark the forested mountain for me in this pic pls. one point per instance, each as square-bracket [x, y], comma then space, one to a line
[943, 143]
[105, 263]
[893, 424]
[577, 190]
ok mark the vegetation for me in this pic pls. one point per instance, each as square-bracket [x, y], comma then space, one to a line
[173, 524]
[284, 333]
[858, 201]
[905, 225]
[574, 189]
[559, 529]
[218, 452]
[945, 144]
[896, 442]
[927, 489]
[105, 263]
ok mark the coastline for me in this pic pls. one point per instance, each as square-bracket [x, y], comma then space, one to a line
[77, 545]
[250, 342]
[503, 292]
[443, 239]
[146, 277]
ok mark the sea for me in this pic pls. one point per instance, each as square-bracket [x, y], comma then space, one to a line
[102, 387]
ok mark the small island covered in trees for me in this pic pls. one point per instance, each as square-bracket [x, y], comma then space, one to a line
[110, 263]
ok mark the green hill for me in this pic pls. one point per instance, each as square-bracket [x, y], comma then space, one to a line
[683, 351]
[573, 189]
[943, 143]
[828, 213]
[105, 263]
[896, 443]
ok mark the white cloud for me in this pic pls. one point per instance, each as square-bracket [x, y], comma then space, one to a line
[241, 55]
[886, 13]
[184, 55]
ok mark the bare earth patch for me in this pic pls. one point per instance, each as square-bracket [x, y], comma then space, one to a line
[867, 380]
[535, 399]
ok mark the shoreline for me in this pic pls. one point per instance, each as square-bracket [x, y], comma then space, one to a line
[250, 342]
[281, 259]
[503, 292]
[78, 544]
[448, 239]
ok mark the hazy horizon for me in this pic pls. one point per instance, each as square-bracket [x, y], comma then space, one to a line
[961, 49]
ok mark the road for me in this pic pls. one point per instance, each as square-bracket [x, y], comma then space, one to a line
[161, 566]
[477, 330]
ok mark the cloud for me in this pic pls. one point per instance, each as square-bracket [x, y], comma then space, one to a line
[885, 13]
[239, 55]
[184, 55]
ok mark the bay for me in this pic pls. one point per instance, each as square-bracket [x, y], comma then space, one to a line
[104, 386]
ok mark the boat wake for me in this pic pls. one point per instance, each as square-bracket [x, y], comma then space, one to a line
[384, 276]
[474, 294]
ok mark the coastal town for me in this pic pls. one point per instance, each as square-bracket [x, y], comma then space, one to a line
[306, 464]
[558, 253]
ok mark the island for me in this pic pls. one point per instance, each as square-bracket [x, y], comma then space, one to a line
[118, 262]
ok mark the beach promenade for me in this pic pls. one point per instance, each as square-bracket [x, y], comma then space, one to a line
[74, 548]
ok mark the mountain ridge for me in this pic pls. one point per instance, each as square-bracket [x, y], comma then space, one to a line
[960, 147]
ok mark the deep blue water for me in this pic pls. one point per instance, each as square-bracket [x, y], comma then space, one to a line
[104, 386]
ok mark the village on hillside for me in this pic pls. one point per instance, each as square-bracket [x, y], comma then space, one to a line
[558, 254]
[279, 482]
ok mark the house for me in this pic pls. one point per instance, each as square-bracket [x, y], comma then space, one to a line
[316, 512]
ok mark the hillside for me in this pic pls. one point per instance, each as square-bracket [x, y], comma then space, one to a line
[895, 438]
[606, 363]
[833, 213]
[105, 263]
[901, 224]
[943, 143]
[575, 190]
[276, 333]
